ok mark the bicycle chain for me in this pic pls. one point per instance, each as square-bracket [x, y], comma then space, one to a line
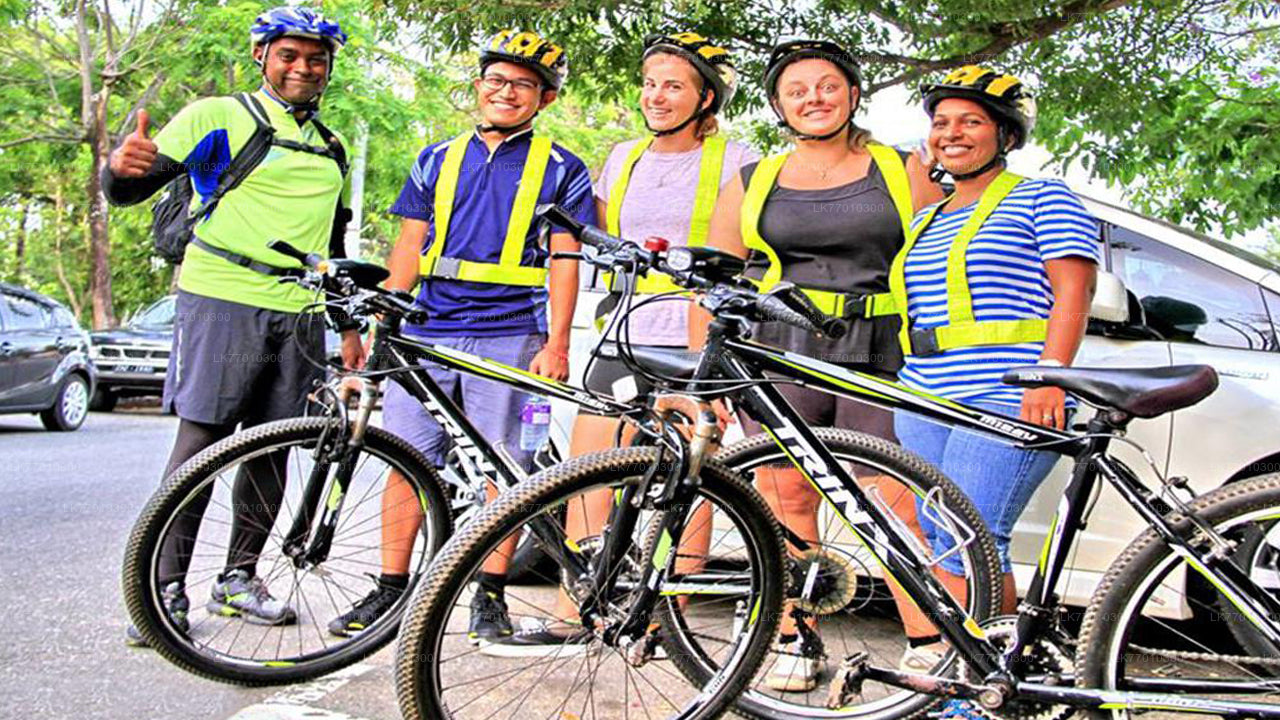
[1210, 657]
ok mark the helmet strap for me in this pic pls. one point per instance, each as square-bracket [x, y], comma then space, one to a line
[696, 116]
[310, 107]
[507, 129]
[1002, 144]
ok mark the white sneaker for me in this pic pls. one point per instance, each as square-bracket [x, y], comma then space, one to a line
[792, 670]
[923, 659]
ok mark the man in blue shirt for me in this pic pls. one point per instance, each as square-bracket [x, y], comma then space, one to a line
[467, 234]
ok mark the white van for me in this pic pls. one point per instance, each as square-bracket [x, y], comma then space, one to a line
[1193, 299]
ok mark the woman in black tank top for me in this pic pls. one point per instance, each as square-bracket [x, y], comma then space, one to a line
[827, 211]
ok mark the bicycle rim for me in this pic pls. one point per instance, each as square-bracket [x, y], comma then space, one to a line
[442, 672]
[849, 603]
[1156, 617]
[228, 645]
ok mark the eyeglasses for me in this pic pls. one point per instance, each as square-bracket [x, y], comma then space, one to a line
[497, 82]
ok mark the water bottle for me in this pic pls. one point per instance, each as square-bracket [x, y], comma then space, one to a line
[535, 423]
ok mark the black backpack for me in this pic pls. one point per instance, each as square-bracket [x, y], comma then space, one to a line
[172, 219]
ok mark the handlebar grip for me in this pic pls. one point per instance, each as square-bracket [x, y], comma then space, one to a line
[795, 298]
[775, 309]
[593, 236]
[311, 260]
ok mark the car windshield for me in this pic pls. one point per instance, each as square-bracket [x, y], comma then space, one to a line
[158, 315]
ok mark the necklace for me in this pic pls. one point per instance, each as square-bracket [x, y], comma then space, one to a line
[824, 172]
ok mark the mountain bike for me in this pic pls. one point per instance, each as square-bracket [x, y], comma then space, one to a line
[1205, 558]
[337, 512]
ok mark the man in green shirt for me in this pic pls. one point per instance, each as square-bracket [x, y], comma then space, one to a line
[242, 352]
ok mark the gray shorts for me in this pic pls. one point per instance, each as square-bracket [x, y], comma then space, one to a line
[492, 407]
[234, 363]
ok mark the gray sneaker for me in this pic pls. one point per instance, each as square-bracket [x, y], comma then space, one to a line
[238, 595]
[175, 601]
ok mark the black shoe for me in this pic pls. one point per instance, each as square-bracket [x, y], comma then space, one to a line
[367, 611]
[537, 639]
[489, 619]
[176, 602]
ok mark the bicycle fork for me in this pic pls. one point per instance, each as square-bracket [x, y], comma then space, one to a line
[340, 443]
[668, 496]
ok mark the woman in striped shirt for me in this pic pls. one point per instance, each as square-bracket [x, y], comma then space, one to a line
[1029, 252]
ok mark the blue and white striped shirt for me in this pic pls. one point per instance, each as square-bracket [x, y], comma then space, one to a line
[1039, 220]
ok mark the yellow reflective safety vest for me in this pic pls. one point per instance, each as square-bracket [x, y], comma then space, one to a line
[704, 203]
[832, 303]
[508, 270]
[962, 329]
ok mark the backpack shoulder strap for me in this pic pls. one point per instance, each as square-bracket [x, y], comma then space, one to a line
[246, 159]
[332, 142]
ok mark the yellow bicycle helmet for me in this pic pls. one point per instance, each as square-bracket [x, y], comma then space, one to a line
[528, 48]
[712, 62]
[1002, 94]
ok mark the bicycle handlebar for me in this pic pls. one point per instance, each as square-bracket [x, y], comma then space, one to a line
[706, 269]
[702, 269]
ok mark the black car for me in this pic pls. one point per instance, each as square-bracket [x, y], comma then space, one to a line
[44, 359]
[132, 360]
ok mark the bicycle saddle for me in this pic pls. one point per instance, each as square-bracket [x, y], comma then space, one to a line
[671, 362]
[1140, 392]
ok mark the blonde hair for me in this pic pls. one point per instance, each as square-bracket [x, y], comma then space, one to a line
[859, 138]
[708, 125]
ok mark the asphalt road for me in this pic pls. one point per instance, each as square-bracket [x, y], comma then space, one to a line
[67, 503]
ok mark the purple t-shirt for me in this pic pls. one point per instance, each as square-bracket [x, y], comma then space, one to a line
[659, 203]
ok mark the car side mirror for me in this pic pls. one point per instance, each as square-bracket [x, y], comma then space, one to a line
[1110, 299]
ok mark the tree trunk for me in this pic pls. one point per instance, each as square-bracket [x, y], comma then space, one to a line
[20, 250]
[59, 231]
[99, 235]
[93, 117]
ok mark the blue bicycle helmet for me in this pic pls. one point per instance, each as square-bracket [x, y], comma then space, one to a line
[301, 22]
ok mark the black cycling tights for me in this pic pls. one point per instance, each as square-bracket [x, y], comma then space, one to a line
[256, 494]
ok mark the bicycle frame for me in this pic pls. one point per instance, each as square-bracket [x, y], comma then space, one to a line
[895, 550]
[392, 351]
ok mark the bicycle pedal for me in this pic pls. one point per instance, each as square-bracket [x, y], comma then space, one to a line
[846, 683]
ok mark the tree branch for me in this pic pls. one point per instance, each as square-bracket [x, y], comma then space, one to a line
[1003, 37]
[40, 137]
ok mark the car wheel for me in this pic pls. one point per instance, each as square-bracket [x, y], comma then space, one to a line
[70, 407]
[103, 400]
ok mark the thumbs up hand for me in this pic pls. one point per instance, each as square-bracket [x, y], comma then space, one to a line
[137, 153]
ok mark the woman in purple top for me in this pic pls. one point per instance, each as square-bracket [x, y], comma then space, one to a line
[664, 185]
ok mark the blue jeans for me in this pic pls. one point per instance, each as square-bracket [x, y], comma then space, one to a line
[494, 408]
[999, 478]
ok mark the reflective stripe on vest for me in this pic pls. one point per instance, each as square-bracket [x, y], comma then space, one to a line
[704, 203]
[508, 270]
[832, 303]
[962, 329]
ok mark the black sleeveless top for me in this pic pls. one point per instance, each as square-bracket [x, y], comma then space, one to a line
[841, 239]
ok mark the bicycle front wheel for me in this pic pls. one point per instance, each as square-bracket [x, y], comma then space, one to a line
[1155, 617]
[234, 507]
[838, 587]
[572, 671]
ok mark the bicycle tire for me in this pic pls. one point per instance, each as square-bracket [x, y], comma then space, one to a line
[1115, 612]
[201, 474]
[423, 635]
[980, 557]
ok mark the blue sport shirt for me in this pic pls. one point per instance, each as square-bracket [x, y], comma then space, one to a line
[487, 184]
